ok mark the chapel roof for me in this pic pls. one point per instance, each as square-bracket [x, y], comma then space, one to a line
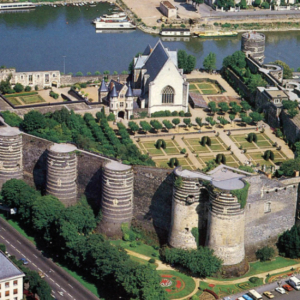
[147, 51]
[103, 87]
[129, 92]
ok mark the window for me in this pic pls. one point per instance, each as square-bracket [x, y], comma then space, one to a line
[112, 106]
[37, 76]
[30, 78]
[15, 291]
[46, 78]
[21, 76]
[15, 282]
[267, 207]
[6, 284]
[6, 293]
[53, 75]
[15, 298]
[167, 95]
[121, 104]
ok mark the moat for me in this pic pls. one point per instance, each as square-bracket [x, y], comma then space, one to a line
[38, 40]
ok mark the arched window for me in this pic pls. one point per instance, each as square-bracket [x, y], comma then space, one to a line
[167, 95]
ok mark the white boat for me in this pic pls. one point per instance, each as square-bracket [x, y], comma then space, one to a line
[175, 32]
[114, 21]
[20, 5]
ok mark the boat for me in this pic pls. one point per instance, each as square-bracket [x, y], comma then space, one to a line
[114, 21]
[175, 32]
[13, 6]
[209, 34]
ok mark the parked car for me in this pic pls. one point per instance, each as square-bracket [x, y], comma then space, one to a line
[24, 260]
[268, 295]
[280, 290]
[287, 287]
[247, 297]
[42, 275]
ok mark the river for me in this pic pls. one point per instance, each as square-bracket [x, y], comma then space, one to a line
[38, 40]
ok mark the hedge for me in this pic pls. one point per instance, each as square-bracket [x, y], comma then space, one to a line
[20, 94]
[241, 194]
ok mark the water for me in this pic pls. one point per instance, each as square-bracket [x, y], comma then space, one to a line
[38, 40]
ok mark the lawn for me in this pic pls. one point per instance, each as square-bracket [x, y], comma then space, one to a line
[32, 99]
[142, 262]
[14, 101]
[209, 92]
[186, 289]
[203, 159]
[162, 163]
[205, 86]
[264, 144]
[171, 150]
[154, 151]
[193, 87]
[141, 249]
[186, 163]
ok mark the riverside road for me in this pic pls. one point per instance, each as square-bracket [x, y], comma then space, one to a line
[58, 279]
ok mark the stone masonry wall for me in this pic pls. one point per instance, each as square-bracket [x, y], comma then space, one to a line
[290, 127]
[270, 210]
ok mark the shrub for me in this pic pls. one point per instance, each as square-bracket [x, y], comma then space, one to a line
[11, 118]
[183, 151]
[83, 85]
[204, 140]
[18, 88]
[36, 88]
[151, 261]
[175, 113]
[53, 95]
[254, 280]
[208, 141]
[27, 88]
[265, 253]
[187, 114]
[111, 117]
[79, 74]
[133, 244]
[158, 144]
[181, 113]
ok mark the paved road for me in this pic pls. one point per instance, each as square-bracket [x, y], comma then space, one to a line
[293, 295]
[58, 279]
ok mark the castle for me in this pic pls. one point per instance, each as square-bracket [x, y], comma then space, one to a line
[184, 208]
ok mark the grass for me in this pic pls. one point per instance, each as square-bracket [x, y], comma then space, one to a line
[141, 249]
[14, 101]
[189, 284]
[142, 261]
[264, 144]
[15, 225]
[90, 286]
[155, 151]
[170, 151]
[209, 92]
[162, 163]
[32, 99]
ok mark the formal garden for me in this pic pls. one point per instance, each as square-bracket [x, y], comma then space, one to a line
[204, 88]
[184, 162]
[152, 148]
[198, 146]
[25, 98]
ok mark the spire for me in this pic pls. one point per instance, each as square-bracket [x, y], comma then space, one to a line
[103, 87]
[113, 93]
[129, 92]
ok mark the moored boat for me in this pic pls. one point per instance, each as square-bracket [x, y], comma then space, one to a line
[114, 21]
[13, 6]
[210, 34]
[175, 32]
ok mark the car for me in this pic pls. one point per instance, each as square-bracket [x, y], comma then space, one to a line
[287, 287]
[24, 260]
[268, 294]
[280, 290]
[61, 293]
[42, 275]
[247, 297]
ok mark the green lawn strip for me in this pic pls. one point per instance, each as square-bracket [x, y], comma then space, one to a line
[192, 86]
[189, 284]
[171, 150]
[162, 163]
[90, 286]
[155, 151]
[209, 92]
[15, 225]
[217, 147]
[238, 138]
[232, 164]
[192, 142]
[200, 148]
[263, 144]
[141, 249]
[229, 158]
[32, 99]
[205, 85]
[247, 145]
[14, 101]
[149, 144]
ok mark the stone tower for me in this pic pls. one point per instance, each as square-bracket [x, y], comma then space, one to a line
[117, 198]
[102, 91]
[186, 209]
[11, 156]
[129, 102]
[253, 44]
[62, 173]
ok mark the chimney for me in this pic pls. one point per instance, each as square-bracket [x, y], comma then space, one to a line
[296, 173]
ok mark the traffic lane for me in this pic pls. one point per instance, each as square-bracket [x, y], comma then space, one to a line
[293, 295]
[66, 281]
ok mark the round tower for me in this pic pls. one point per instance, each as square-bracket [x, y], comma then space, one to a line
[11, 156]
[117, 198]
[62, 173]
[226, 224]
[185, 223]
[253, 44]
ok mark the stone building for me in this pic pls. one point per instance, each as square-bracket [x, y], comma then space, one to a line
[161, 84]
[168, 9]
[40, 78]
[11, 280]
[253, 44]
[118, 97]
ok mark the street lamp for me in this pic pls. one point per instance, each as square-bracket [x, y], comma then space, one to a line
[64, 64]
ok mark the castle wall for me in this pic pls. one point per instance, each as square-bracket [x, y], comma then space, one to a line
[270, 210]
[290, 127]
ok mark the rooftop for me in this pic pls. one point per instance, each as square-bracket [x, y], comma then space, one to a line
[8, 269]
[116, 166]
[278, 93]
[167, 4]
[9, 131]
[63, 148]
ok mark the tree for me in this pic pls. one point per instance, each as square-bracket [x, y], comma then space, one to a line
[223, 121]
[237, 59]
[145, 126]
[209, 62]
[187, 121]
[97, 73]
[18, 88]
[199, 122]
[224, 107]
[256, 3]
[5, 86]
[265, 5]
[255, 81]
[246, 119]
[243, 4]
[231, 117]
[176, 121]
[79, 74]
[11, 118]
[245, 105]
[288, 167]
[182, 59]
[293, 112]
[255, 116]
[288, 104]
[213, 107]
[190, 64]
[3, 248]
[287, 71]
[167, 124]
[33, 120]
[156, 124]
[289, 243]
[133, 126]
[27, 88]
[236, 109]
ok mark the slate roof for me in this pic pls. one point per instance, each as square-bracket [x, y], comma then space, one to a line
[103, 87]
[116, 84]
[156, 60]
[147, 51]
[140, 61]
[129, 92]
[8, 269]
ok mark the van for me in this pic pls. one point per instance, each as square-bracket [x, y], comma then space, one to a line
[294, 282]
[255, 295]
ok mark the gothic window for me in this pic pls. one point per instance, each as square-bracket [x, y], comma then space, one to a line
[167, 95]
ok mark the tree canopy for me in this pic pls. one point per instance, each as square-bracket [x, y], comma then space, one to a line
[287, 71]
[185, 61]
[209, 62]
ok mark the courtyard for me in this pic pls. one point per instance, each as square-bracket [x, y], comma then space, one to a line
[204, 88]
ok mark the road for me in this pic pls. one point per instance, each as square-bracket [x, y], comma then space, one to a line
[58, 279]
[293, 295]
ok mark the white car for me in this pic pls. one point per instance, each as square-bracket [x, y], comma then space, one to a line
[280, 290]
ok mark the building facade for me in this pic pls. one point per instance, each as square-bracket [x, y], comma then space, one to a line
[11, 280]
[168, 9]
